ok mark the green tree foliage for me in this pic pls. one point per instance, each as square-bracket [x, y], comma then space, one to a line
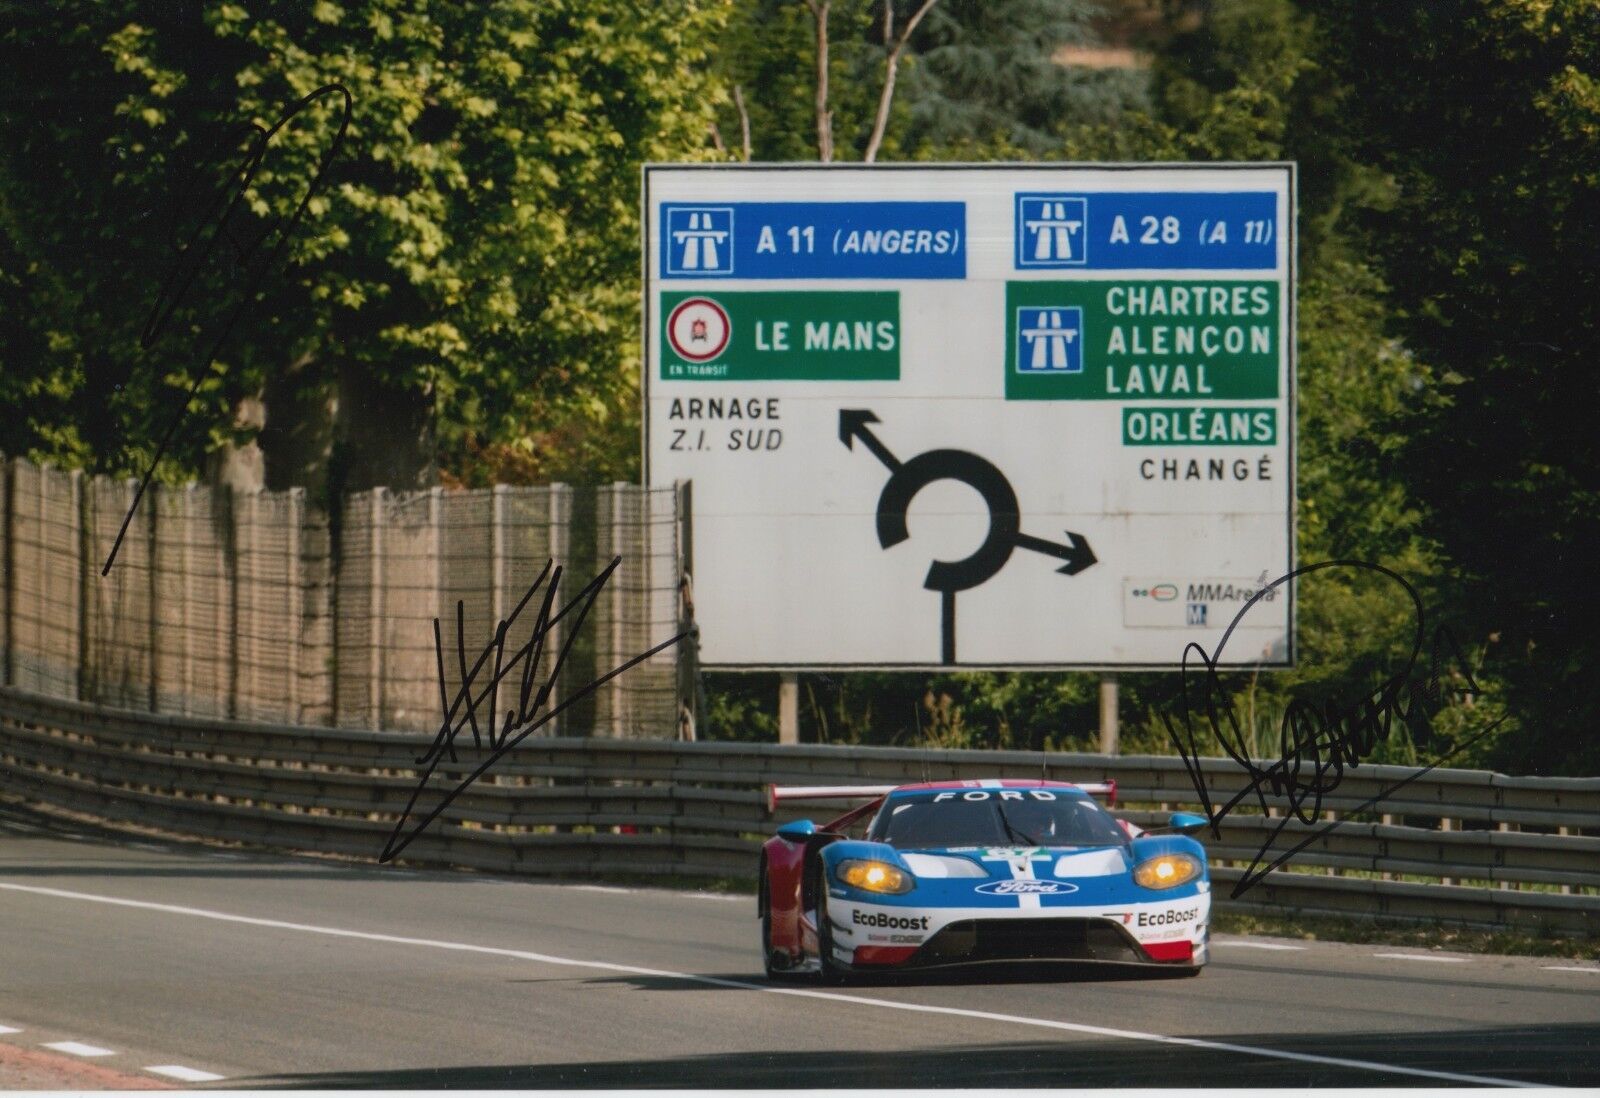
[978, 79]
[470, 264]
[37, 383]
[988, 75]
[1487, 115]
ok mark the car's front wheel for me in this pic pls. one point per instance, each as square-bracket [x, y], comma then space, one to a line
[831, 970]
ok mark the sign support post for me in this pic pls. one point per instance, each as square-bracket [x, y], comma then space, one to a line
[789, 707]
[1108, 715]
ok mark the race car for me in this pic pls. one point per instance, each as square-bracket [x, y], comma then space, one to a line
[979, 872]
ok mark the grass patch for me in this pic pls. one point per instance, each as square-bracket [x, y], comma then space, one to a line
[1422, 936]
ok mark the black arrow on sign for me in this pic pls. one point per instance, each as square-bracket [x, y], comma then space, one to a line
[853, 425]
[1078, 555]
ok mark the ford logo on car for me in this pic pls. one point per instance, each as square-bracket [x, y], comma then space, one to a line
[1026, 888]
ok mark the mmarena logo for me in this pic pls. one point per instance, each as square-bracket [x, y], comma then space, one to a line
[1026, 888]
[891, 922]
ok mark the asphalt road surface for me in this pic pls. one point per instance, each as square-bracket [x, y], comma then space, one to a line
[128, 964]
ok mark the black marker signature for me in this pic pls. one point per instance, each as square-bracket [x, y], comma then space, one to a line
[1319, 739]
[213, 229]
[528, 702]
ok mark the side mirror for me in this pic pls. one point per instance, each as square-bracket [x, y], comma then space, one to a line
[801, 830]
[1185, 822]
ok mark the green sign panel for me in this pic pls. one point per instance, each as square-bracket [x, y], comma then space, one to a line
[1128, 339]
[1199, 425]
[780, 336]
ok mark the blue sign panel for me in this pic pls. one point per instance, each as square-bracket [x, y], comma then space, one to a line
[772, 240]
[1185, 230]
[1050, 340]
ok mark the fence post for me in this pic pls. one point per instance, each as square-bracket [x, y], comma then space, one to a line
[560, 541]
[1503, 883]
[497, 554]
[153, 591]
[375, 614]
[253, 543]
[186, 602]
[1566, 889]
[619, 713]
[1446, 825]
[436, 551]
[296, 506]
[335, 606]
[10, 577]
[690, 707]
[224, 496]
[38, 588]
[83, 512]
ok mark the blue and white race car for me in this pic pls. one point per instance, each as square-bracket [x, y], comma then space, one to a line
[973, 872]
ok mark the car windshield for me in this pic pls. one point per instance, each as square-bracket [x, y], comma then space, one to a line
[994, 817]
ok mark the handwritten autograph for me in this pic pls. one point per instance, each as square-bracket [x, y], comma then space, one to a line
[196, 253]
[1318, 739]
[529, 702]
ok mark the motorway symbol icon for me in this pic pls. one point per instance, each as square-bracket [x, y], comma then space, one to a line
[1005, 535]
[1050, 340]
[1052, 230]
[700, 240]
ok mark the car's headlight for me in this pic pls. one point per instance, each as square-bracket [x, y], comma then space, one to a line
[874, 876]
[1167, 871]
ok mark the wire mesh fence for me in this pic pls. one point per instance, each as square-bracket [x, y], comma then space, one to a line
[263, 607]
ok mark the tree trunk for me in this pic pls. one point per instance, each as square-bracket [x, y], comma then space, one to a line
[819, 13]
[891, 69]
[384, 435]
[298, 437]
[241, 468]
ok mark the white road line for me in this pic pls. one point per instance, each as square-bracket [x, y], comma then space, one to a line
[78, 1048]
[188, 1075]
[9, 1029]
[1571, 968]
[804, 993]
[1423, 957]
[1253, 945]
[717, 896]
[598, 888]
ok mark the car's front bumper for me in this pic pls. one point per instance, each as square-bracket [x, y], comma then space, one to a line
[1163, 932]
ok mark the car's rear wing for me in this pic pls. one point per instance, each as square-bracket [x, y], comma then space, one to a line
[1106, 789]
[776, 793]
[871, 794]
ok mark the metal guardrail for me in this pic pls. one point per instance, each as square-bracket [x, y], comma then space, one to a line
[1458, 846]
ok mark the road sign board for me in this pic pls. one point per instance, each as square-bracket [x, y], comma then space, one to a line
[976, 415]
